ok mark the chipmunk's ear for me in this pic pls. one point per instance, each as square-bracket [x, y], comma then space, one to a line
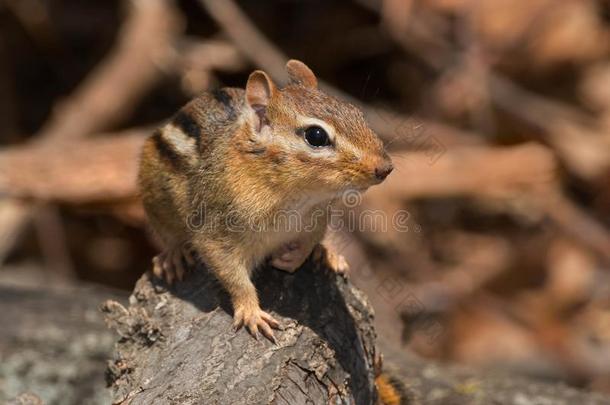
[300, 73]
[259, 91]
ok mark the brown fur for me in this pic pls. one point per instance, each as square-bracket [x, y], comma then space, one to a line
[390, 390]
[238, 155]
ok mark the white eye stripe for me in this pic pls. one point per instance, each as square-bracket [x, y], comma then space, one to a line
[304, 121]
[310, 121]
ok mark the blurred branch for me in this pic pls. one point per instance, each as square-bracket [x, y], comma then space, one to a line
[577, 137]
[479, 171]
[577, 223]
[13, 215]
[252, 43]
[524, 174]
[533, 108]
[198, 59]
[111, 91]
[572, 133]
[53, 243]
[70, 173]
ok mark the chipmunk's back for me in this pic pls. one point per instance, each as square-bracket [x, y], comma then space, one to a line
[194, 131]
[187, 149]
[210, 118]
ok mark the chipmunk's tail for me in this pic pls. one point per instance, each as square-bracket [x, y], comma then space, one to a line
[390, 390]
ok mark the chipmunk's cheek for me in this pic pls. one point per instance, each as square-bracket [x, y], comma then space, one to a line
[353, 179]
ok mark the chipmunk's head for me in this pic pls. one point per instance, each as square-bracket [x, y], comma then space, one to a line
[310, 139]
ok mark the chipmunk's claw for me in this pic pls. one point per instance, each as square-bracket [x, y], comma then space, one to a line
[255, 320]
[169, 265]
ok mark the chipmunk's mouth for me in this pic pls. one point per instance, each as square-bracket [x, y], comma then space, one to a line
[370, 173]
[359, 182]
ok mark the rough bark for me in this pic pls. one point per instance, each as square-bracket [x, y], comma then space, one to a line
[54, 345]
[177, 345]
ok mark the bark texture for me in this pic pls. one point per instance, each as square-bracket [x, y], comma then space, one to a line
[53, 344]
[177, 345]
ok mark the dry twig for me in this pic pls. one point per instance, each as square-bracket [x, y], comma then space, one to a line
[110, 92]
[252, 43]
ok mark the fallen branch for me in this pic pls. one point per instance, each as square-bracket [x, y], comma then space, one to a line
[101, 168]
[506, 172]
[179, 344]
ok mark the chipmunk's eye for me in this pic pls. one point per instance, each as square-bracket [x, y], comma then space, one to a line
[316, 136]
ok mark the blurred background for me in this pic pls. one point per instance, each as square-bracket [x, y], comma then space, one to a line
[496, 113]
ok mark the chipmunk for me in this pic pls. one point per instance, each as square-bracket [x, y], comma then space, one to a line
[243, 156]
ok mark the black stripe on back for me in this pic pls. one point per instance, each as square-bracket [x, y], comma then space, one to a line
[166, 151]
[225, 99]
[188, 125]
[257, 151]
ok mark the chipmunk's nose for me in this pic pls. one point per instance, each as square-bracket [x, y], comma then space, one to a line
[383, 171]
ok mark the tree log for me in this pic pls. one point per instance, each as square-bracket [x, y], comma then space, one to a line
[53, 345]
[178, 346]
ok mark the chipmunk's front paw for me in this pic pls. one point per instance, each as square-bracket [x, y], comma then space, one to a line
[255, 319]
[334, 261]
[169, 265]
[338, 263]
